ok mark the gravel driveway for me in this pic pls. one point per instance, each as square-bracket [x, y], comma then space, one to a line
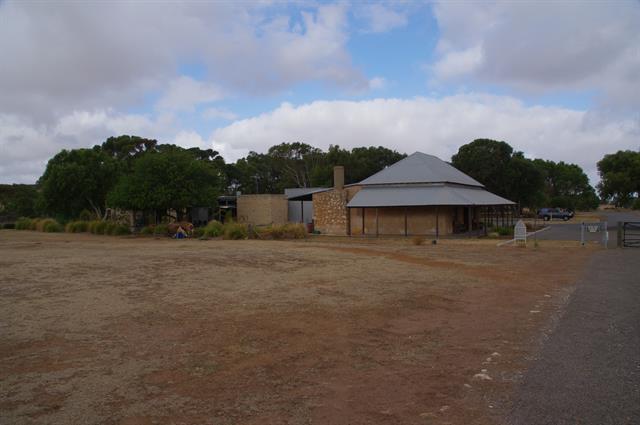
[589, 369]
[571, 231]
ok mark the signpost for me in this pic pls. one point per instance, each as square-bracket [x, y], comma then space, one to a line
[520, 232]
[594, 228]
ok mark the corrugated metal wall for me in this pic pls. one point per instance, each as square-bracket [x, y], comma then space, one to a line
[299, 210]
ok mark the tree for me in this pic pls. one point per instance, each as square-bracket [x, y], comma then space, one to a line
[127, 147]
[18, 200]
[524, 182]
[173, 178]
[366, 161]
[254, 174]
[501, 170]
[566, 186]
[300, 165]
[620, 177]
[78, 179]
[296, 163]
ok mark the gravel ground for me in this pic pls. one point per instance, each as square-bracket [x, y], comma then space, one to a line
[589, 369]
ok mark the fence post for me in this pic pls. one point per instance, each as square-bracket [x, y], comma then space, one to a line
[620, 230]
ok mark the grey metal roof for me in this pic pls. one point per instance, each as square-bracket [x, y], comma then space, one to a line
[298, 192]
[420, 168]
[422, 195]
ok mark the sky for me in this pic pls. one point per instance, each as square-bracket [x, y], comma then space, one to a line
[556, 80]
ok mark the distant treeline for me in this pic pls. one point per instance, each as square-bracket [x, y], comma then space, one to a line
[132, 172]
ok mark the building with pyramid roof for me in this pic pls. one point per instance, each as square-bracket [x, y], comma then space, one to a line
[418, 195]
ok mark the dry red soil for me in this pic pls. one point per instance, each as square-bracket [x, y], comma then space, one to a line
[103, 330]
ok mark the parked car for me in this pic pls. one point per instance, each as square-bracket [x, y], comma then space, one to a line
[550, 213]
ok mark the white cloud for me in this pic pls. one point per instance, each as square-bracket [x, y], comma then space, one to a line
[380, 18]
[69, 69]
[458, 63]
[216, 113]
[544, 47]
[67, 56]
[184, 93]
[26, 147]
[189, 139]
[437, 126]
[377, 83]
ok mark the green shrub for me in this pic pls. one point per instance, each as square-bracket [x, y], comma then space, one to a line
[280, 231]
[119, 230]
[504, 230]
[93, 226]
[636, 204]
[260, 232]
[235, 231]
[49, 225]
[147, 230]
[161, 230]
[23, 223]
[77, 227]
[214, 229]
[108, 229]
[85, 215]
[289, 231]
[33, 224]
[99, 228]
[198, 232]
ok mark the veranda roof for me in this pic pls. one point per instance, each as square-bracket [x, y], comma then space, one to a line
[424, 195]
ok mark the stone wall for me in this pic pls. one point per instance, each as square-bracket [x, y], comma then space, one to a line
[262, 210]
[330, 215]
[330, 212]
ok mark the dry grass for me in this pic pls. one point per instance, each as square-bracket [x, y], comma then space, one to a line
[320, 330]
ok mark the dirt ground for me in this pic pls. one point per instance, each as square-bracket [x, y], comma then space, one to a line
[104, 330]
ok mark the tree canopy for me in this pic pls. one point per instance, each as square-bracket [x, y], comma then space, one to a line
[78, 179]
[170, 179]
[18, 200]
[531, 183]
[567, 186]
[133, 172]
[620, 177]
[301, 165]
[501, 170]
[127, 147]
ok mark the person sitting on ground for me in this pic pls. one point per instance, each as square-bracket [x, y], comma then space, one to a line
[180, 233]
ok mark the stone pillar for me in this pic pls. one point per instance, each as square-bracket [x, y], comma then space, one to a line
[338, 177]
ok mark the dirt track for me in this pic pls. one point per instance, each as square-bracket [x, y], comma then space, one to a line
[138, 331]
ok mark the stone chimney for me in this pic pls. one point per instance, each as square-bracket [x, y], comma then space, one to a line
[338, 177]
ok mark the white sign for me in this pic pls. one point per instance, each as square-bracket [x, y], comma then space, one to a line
[520, 232]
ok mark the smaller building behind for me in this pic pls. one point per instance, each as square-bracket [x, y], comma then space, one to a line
[262, 210]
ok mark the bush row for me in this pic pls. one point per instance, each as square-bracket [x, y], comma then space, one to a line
[213, 229]
[229, 230]
[39, 224]
[97, 227]
[233, 231]
[155, 229]
[283, 231]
